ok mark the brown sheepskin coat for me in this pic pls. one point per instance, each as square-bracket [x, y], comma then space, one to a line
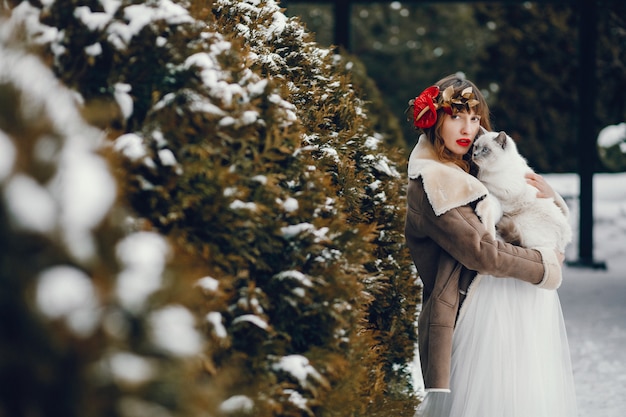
[449, 246]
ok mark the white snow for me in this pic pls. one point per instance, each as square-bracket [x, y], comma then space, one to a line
[249, 116]
[374, 185]
[381, 164]
[130, 368]
[593, 301]
[251, 318]
[109, 6]
[612, 135]
[330, 152]
[299, 367]
[167, 157]
[30, 205]
[241, 205]
[227, 121]
[237, 404]
[215, 319]
[28, 15]
[124, 100]
[209, 284]
[372, 142]
[69, 202]
[261, 179]
[138, 16]
[94, 49]
[85, 191]
[131, 146]
[66, 292]
[173, 329]
[296, 276]
[256, 89]
[143, 256]
[289, 205]
[292, 231]
[93, 20]
[204, 106]
[297, 398]
[7, 155]
[279, 22]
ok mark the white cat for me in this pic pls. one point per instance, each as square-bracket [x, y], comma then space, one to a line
[525, 219]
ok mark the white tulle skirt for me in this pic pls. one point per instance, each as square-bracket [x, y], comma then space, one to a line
[510, 356]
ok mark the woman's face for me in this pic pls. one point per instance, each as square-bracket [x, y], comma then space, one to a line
[459, 130]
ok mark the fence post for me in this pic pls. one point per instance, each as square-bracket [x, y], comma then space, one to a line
[587, 147]
[343, 13]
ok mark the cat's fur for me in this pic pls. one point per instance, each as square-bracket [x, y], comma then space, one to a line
[525, 219]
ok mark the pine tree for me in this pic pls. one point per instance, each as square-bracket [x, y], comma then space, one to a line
[245, 147]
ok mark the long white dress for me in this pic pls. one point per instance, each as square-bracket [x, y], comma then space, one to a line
[510, 356]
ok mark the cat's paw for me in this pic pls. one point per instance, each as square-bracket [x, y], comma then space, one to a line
[489, 212]
[508, 231]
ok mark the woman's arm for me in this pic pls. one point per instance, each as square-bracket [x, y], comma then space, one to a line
[460, 233]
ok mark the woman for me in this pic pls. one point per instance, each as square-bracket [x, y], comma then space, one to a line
[504, 353]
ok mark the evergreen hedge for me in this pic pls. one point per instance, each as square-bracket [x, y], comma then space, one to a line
[257, 194]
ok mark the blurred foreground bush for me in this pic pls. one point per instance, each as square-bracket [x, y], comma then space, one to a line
[227, 239]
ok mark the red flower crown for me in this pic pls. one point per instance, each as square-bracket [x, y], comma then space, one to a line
[425, 105]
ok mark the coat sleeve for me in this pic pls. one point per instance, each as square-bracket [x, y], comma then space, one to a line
[461, 233]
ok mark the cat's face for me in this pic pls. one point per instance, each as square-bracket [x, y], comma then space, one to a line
[488, 148]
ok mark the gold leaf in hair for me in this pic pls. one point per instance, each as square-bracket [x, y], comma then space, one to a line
[447, 93]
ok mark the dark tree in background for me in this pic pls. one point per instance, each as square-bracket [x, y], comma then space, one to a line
[612, 63]
[535, 64]
[405, 47]
[524, 57]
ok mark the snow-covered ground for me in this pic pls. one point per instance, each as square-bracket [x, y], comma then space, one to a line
[594, 301]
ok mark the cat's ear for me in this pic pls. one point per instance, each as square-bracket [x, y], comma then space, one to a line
[481, 132]
[501, 139]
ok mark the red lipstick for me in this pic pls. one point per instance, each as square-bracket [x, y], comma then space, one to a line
[463, 142]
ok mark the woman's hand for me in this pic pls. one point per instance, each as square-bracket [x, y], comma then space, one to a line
[537, 181]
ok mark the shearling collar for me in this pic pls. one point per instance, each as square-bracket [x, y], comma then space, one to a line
[447, 185]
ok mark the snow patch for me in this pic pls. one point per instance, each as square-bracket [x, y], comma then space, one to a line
[296, 276]
[612, 135]
[209, 284]
[240, 205]
[31, 207]
[237, 404]
[251, 318]
[131, 146]
[215, 319]
[143, 257]
[129, 368]
[7, 155]
[299, 367]
[173, 329]
[124, 100]
[67, 292]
